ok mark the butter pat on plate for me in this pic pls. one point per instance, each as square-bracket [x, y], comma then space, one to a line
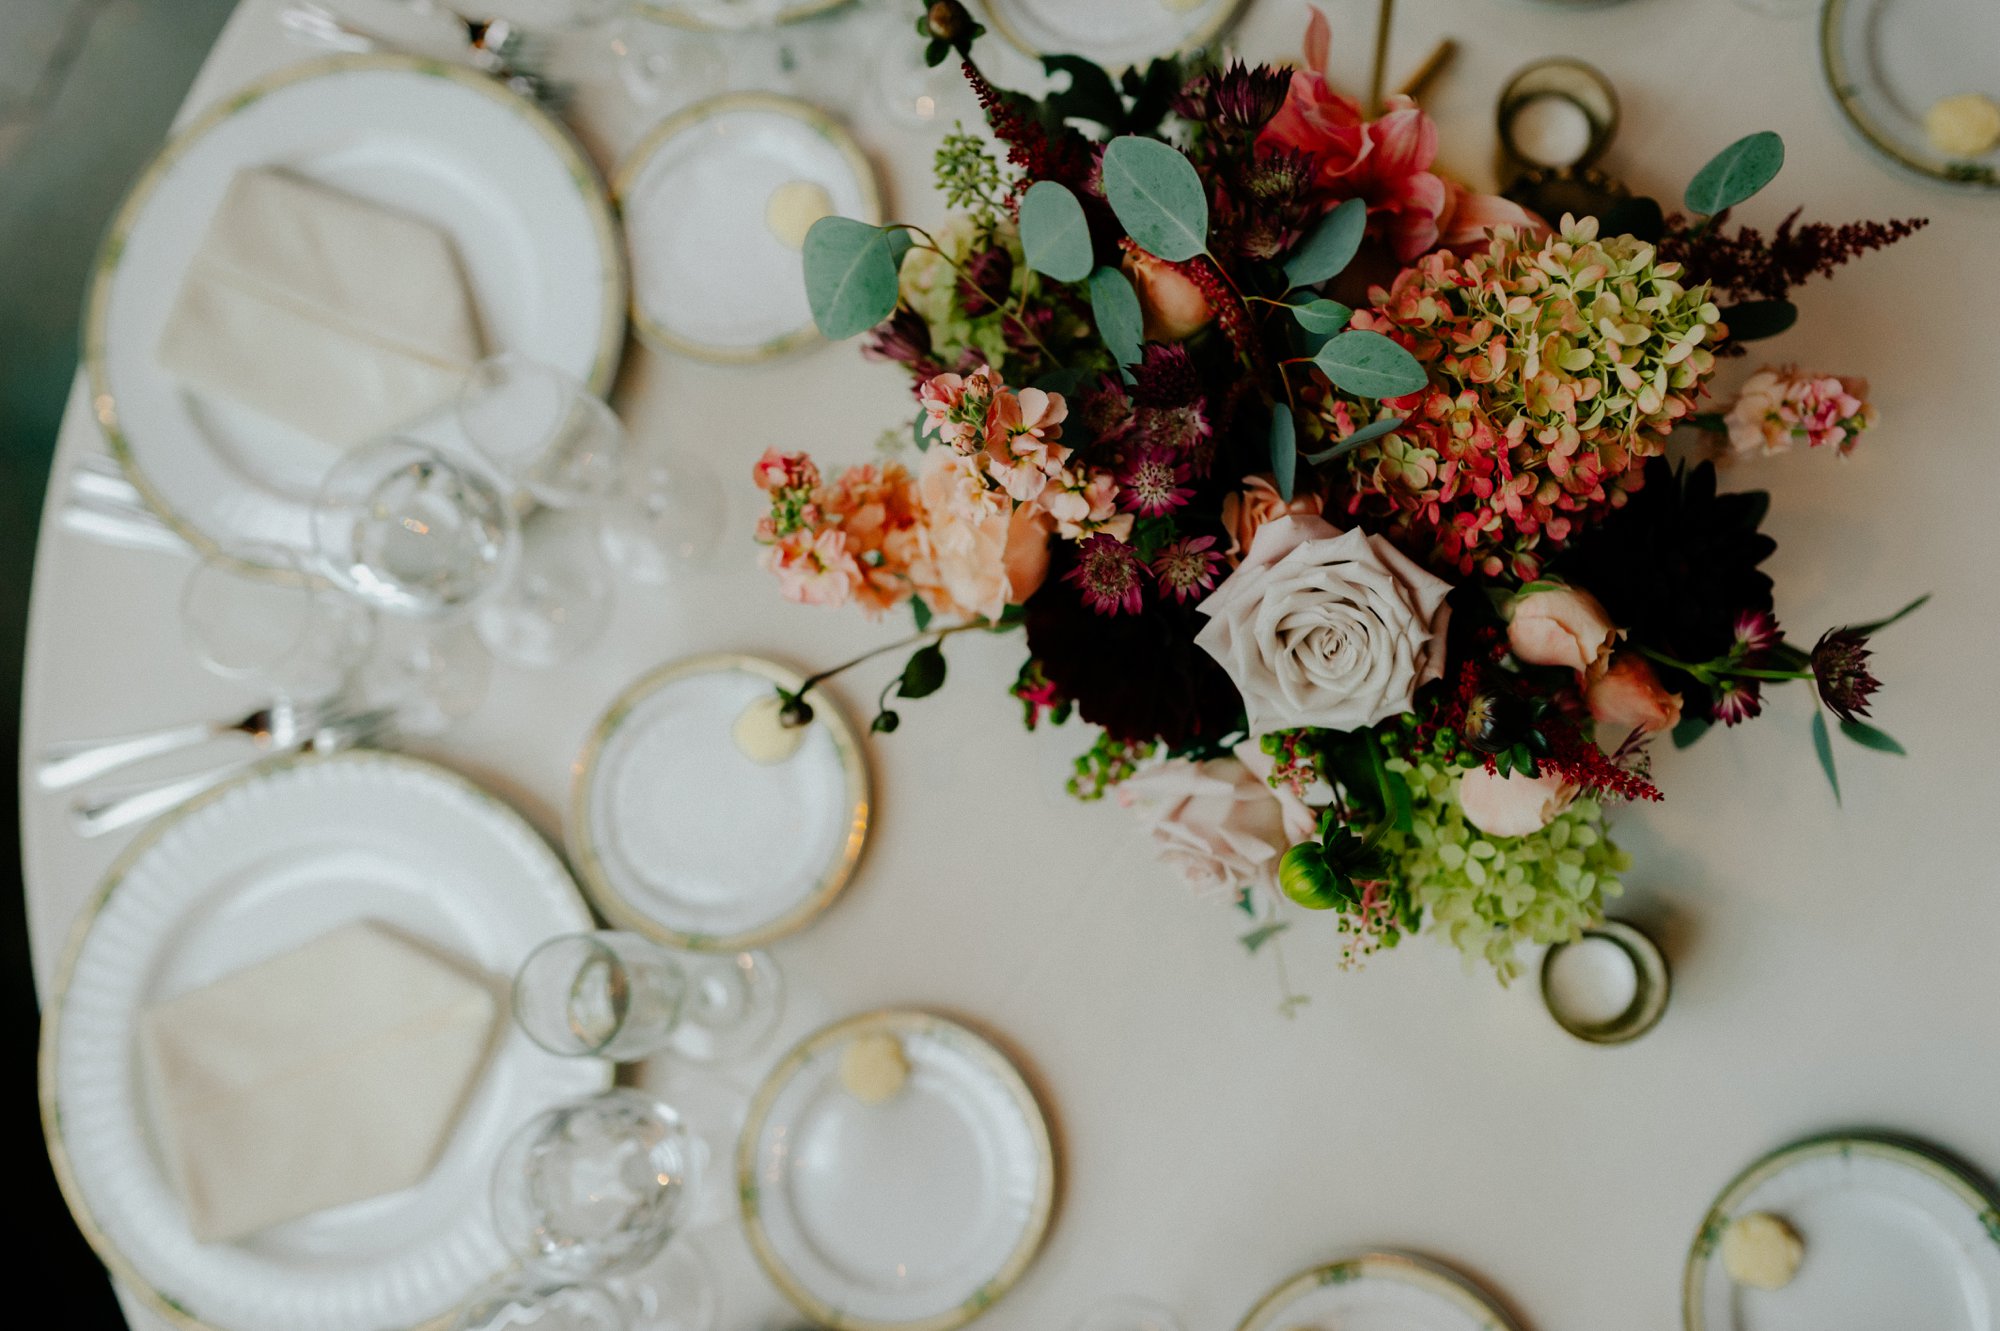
[325, 1075]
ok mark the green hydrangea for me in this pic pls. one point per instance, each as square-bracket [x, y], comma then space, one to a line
[1487, 894]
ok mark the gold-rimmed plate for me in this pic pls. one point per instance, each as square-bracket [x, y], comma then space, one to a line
[1888, 62]
[916, 1213]
[529, 220]
[1378, 1291]
[1895, 1234]
[1114, 33]
[250, 871]
[679, 834]
[733, 15]
[715, 202]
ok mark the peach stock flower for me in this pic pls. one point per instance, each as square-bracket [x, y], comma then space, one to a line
[1631, 696]
[1170, 304]
[1512, 805]
[1257, 503]
[1561, 626]
[1781, 407]
[977, 559]
[1021, 434]
[814, 567]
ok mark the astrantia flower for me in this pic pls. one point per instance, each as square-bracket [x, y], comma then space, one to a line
[1166, 376]
[1757, 632]
[1736, 701]
[1186, 568]
[1104, 410]
[1109, 575]
[1181, 430]
[1236, 99]
[1840, 668]
[1153, 483]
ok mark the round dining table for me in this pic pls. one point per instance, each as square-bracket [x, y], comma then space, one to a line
[1833, 963]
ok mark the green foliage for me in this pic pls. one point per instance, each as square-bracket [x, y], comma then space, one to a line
[1736, 173]
[924, 673]
[1754, 320]
[1116, 308]
[1055, 236]
[1868, 737]
[1367, 434]
[1158, 197]
[850, 270]
[1368, 364]
[1322, 316]
[1089, 93]
[1284, 449]
[1873, 627]
[1823, 748]
[1331, 246]
[971, 178]
[1104, 764]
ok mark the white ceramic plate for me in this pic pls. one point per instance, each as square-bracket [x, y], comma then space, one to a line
[1889, 61]
[1894, 1237]
[911, 1215]
[1114, 33]
[710, 278]
[677, 835]
[732, 15]
[527, 215]
[1377, 1291]
[257, 869]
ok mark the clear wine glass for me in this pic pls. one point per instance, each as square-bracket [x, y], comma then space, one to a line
[558, 604]
[255, 614]
[595, 1186]
[618, 995]
[520, 1303]
[667, 516]
[543, 429]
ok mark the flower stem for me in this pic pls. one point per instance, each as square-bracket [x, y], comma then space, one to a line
[998, 303]
[812, 682]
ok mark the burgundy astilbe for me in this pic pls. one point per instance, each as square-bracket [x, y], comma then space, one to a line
[1064, 156]
[1746, 265]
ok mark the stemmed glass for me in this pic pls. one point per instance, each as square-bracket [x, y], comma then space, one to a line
[618, 995]
[255, 614]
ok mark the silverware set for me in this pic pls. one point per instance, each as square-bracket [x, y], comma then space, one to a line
[100, 504]
[493, 46]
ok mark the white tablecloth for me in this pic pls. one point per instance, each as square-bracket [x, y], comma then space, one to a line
[1832, 967]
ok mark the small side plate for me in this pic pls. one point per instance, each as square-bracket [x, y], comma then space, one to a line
[1887, 62]
[1378, 1291]
[1114, 33]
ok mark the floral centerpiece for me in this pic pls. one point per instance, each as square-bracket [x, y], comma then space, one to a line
[1333, 494]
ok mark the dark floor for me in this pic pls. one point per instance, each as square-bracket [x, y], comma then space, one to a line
[87, 88]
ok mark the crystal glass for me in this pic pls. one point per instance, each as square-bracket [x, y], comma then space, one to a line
[432, 673]
[667, 516]
[255, 614]
[663, 67]
[559, 601]
[617, 995]
[595, 1186]
[412, 531]
[522, 1303]
[542, 429]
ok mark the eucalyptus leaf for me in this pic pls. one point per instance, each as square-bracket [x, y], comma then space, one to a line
[1261, 935]
[1868, 737]
[1736, 173]
[1368, 364]
[1753, 320]
[1635, 216]
[1055, 236]
[1322, 316]
[1367, 434]
[1116, 307]
[922, 432]
[1330, 247]
[850, 272]
[900, 243]
[924, 673]
[1158, 197]
[1823, 746]
[1691, 728]
[1284, 449]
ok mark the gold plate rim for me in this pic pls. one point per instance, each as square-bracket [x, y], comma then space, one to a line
[596, 882]
[1227, 14]
[1833, 65]
[794, 13]
[817, 119]
[1406, 1267]
[47, 1055]
[897, 1021]
[581, 170]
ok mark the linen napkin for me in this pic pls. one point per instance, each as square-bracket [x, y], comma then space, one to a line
[322, 1076]
[337, 317]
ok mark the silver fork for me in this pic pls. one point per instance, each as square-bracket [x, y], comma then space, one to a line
[492, 46]
[112, 810]
[73, 762]
[104, 506]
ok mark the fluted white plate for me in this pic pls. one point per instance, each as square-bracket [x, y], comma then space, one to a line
[916, 1214]
[526, 213]
[256, 869]
[1114, 33]
[1895, 1236]
[1377, 1291]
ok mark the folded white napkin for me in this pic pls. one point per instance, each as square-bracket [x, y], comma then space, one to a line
[330, 314]
[325, 1075]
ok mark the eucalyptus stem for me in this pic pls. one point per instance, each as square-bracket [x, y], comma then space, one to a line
[999, 303]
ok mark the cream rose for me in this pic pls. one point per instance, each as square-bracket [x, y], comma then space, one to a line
[1171, 306]
[980, 557]
[1561, 626]
[1631, 695]
[1217, 822]
[1513, 805]
[1258, 502]
[1321, 628]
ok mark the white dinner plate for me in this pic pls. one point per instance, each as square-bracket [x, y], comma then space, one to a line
[1113, 33]
[676, 834]
[254, 870]
[732, 15]
[1889, 61]
[1377, 1291]
[526, 213]
[915, 1214]
[1894, 1236]
[710, 278]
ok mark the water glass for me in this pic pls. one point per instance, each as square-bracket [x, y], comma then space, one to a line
[522, 1303]
[668, 515]
[558, 603]
[621, 996]
[255, 614]
[595, 1186]
[542, 429]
